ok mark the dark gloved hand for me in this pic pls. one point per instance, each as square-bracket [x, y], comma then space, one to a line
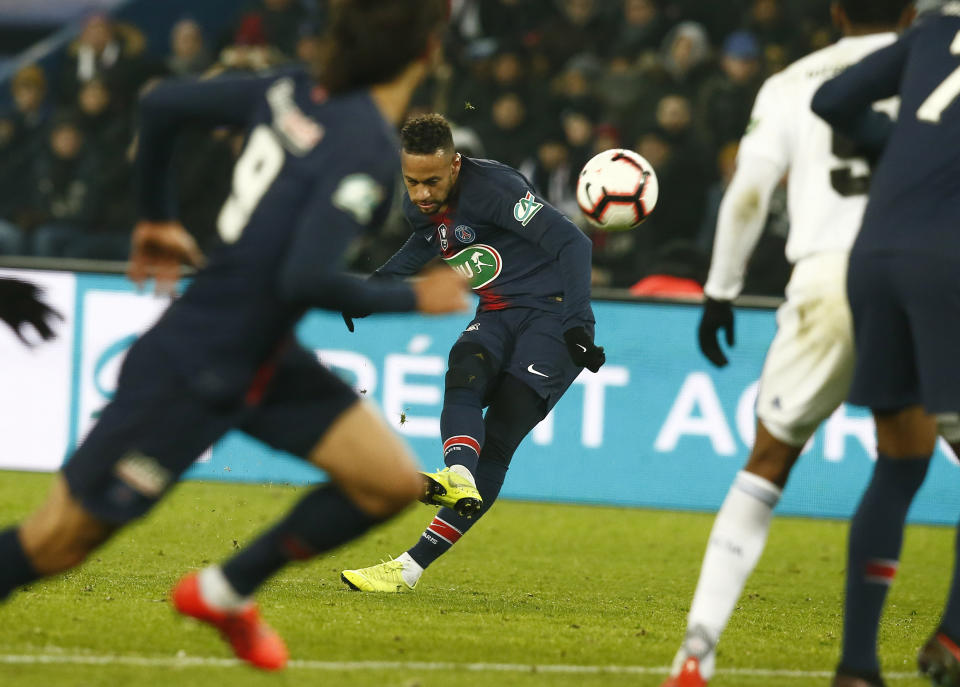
[20, 304]
[582, 350]
[717, 315]
[348, 319]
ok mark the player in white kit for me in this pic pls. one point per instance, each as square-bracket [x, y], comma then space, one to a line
[809, 365]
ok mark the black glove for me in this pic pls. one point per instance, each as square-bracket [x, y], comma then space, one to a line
[20, 304]
[717, 315]
[582, 350]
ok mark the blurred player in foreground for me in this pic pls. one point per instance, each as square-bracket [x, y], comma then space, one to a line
[315, 172]
[531, 337]
[808, 367]
[905, 300]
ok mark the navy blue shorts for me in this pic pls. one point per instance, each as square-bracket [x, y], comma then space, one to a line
[527, 344]
[906, 320]
[155, 428]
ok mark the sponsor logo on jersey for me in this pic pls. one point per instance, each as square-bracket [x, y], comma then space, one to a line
[358, 195]
[465, 234]
[479, 264]
[475, 327]
[526, 208]
[442, 230]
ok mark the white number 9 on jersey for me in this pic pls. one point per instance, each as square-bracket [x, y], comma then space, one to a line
[256, 169]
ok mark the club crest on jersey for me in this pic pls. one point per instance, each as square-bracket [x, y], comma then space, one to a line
[526, 208]
[479, 264]
[442, 230]
[465, 234]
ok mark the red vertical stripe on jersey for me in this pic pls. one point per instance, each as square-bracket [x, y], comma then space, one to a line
[445, 530]
[462, 440]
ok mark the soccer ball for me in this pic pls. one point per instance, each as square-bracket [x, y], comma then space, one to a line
[617, 190]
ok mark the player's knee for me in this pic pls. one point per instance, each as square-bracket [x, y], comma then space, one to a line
[470, 367]
[906, 433]
[771, 458]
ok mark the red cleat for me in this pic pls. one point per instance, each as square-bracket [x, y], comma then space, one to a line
[689, 676]
[251, 638]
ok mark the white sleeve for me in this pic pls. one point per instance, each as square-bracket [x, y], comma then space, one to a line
[743, 214]
[771, 127]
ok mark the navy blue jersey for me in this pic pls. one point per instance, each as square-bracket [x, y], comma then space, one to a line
[314, 173]
[915, 192]
[514, 248]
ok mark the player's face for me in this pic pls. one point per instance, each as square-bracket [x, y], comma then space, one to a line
[430, 179]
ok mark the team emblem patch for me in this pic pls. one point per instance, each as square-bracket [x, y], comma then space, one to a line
[465, 234]
[479, 264]
[526, 208]
[442, 230]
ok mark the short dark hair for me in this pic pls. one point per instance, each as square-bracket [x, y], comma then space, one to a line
[874, 12]
[426, 134]
[369, 42]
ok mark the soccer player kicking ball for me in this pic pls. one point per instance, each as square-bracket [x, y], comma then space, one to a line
[905, 300]
[531, 337]
[315, 172]
[808, 367]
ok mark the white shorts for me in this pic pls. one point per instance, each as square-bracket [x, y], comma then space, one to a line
[809, 366]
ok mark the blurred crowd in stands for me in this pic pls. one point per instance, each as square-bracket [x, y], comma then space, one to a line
[538, 84]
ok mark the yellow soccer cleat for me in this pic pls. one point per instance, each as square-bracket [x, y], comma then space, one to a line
[449, 489]
[384, 577]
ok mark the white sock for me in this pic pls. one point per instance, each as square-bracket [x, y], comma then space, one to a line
[736, 542]
[465, 473]
[216, 590]
[411, 569]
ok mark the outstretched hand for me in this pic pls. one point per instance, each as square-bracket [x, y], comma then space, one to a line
[159, 249]
[20, 304]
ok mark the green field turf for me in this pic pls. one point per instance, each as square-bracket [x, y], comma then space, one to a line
[532, 586]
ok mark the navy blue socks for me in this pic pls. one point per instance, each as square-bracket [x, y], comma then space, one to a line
[876, 535]
[461, 428]
[15, 569]
[447, 527]
[322, 520]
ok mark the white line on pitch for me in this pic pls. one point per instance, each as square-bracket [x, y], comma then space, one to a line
[346, 666]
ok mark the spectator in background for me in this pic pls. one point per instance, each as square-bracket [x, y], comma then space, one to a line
[272, 22]
[509, 133]
[578, 135]
[641, 29]
[683, 187]
[65, 191]
[579, 28]
[726, 99]
[31, 110]
[621, 93]
[685, 59]
[768, 20]
[21, 137]
[113, 52]
[188, 51]
[551, 173]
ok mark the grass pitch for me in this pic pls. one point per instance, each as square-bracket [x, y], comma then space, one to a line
[534, 595]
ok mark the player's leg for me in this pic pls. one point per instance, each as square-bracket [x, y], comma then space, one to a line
[905, 442]
[56, 537]
[805, 377]
[145, 438]
[514, 411]
[309, 412]
[472, 368]
[939, 658]
[887, 378]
